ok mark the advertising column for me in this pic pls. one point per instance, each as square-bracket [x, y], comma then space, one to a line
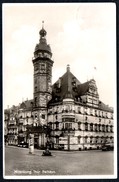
[31, 143]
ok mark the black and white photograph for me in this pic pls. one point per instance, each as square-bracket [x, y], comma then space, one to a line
[59, 91]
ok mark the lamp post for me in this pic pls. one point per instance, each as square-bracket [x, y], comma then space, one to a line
[46, 152]
[85, 109]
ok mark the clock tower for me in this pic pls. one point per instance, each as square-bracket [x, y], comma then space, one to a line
[42, 63]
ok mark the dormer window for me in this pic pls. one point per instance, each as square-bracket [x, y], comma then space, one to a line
[74, 81]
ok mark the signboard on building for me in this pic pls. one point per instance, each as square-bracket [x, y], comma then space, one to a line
[63, 140]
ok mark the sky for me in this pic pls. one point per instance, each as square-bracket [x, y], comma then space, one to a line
[82, 35]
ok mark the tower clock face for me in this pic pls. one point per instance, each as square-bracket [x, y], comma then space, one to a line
[42, 68]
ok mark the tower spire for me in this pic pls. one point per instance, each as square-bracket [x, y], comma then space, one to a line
[43, 24]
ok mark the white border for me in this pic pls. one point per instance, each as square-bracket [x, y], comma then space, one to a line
[115, 111]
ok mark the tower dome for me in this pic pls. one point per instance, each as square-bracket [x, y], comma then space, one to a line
[42, 48]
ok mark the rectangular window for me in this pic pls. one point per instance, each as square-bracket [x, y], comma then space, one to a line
[35, 89]
[79, 126]
[42, 66]
[35, 115]
[79, 109]
[43, 116]
[68, 125]
[91, 112]
[57, 126]
[35, 101]
[95, 112]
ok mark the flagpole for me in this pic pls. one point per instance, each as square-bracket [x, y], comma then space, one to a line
[94, 69]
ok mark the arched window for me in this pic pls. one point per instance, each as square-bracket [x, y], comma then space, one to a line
[95, 127]
[91, 127]
[86, 126]
[79, 125]
[106, 128]
[79, 139]
[111, 128]
[85, 139]
[100, 129]
[91, 139]
[103, 128]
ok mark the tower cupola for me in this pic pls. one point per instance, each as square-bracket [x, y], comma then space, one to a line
[42, 32]
[42, 49]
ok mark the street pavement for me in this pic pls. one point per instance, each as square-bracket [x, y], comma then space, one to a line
[18, 162]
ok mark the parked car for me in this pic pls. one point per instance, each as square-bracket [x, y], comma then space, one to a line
[108, 147]
[23, 144]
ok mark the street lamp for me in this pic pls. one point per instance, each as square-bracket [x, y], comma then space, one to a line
[85, 109]
[46, 152]
[68, 140]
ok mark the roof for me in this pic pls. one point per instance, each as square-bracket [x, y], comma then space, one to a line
[26, 104]
[43, 46]
[68, 86]
[83, 88]
[64, 87]
[105, 107]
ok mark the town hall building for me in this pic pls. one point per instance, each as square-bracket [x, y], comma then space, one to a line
[66, 115]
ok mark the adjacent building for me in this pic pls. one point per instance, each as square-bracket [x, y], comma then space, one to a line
[67, 115]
